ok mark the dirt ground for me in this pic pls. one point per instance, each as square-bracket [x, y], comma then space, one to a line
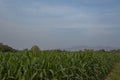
[115, 73]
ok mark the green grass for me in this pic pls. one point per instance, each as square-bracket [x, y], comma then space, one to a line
[55, 65]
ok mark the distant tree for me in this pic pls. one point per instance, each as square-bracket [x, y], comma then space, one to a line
[6, 48]
[1, 43]
[35, 49]
[118, 50]
[26, 49]
[89, 50]
[101, 50]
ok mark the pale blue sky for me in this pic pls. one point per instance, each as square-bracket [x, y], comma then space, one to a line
[59, 23]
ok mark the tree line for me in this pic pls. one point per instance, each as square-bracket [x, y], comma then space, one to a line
[6, 48]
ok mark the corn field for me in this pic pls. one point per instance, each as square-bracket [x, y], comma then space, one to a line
[53, 65]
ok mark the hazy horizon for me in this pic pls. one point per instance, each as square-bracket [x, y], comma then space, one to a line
[54, 24]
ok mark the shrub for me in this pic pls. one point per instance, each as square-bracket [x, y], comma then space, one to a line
[35, 49]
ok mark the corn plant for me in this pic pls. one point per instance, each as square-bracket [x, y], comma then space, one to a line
[53, 65]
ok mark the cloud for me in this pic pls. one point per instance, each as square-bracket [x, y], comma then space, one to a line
[57, 16]
[49, 10]
[58, 25]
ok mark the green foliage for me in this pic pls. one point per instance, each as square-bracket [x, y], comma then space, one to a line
[115, 51]
[6, 48]
[35, 49]
[53, 65]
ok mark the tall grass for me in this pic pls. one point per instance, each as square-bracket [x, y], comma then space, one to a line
[53, 65]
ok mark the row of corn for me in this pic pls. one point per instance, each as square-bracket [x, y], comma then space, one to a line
[53, 65]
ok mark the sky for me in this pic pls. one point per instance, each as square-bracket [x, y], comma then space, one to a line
[53, 24]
